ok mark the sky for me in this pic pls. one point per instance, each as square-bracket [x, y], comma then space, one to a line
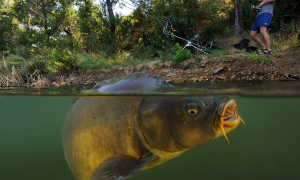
[124, 11]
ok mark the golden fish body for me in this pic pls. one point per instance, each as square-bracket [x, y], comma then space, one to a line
[115, 137]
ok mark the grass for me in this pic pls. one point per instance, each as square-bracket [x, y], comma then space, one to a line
[221, 52]
[285, 41]
[264, 59]
[87, 61]
[288, 36]
[101, 59]
[83, 60]
[12, 60]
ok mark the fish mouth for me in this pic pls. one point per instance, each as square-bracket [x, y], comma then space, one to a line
[229, 118]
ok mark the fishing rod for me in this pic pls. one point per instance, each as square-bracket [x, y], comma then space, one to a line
[189, 42]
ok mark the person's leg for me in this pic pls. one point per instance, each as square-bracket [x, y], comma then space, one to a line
[253, 35]
[263, 31]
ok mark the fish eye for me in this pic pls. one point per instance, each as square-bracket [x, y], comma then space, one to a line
[192, 109]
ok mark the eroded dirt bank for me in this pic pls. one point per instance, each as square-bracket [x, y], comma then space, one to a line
[282, 66]
[278, 66]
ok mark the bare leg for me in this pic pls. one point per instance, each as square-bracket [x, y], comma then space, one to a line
[263, 31]
[254, 36]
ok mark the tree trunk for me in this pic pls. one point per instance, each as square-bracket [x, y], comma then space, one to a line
[237, 17]
[112, 23]
[196, 22]
[28, 28]
[45, 22]
[88, 45]
[70, 37]
[28, 21]
[241, 17]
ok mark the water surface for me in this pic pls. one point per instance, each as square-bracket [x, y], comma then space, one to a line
[266, 148]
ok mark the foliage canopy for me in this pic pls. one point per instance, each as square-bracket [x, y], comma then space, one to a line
[31, 28]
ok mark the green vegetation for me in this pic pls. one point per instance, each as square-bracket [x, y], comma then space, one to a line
[264, 59]
[294, 35]
[181, 54]
[87, 61]
[60, 35]
[59, 61]
[221, 52]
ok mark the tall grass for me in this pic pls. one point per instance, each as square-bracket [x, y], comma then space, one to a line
[289, 35]
[264, 59]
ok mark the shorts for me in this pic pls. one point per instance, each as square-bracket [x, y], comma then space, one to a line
[262, 20]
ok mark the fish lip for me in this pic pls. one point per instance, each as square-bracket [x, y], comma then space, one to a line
[229, 117]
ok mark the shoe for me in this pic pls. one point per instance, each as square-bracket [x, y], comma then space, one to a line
[268, 52]
[262, 51]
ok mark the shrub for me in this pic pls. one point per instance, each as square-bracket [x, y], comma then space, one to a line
[295, 31]
[181, 54]
[60, 61]
[87, 61]
[12, 60]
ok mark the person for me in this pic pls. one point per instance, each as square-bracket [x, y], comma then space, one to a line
[262, 21]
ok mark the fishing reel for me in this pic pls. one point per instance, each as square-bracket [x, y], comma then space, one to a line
[166, 31]
[256, 9]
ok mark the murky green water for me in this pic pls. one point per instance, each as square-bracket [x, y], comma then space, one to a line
[266, 148]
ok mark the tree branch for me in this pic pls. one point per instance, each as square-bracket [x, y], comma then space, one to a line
[288, 15]
[64, 27]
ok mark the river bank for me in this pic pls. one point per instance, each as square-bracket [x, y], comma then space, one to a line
[238, 66]
[278, 66]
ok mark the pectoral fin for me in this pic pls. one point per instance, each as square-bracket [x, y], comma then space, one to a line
[119, 167]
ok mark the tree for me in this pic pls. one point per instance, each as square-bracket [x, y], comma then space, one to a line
[8, 26]
[44, 21]
[85, 22]
[109, 5]
[238, 22]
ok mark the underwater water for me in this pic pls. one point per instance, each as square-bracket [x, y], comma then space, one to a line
[267, 147]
